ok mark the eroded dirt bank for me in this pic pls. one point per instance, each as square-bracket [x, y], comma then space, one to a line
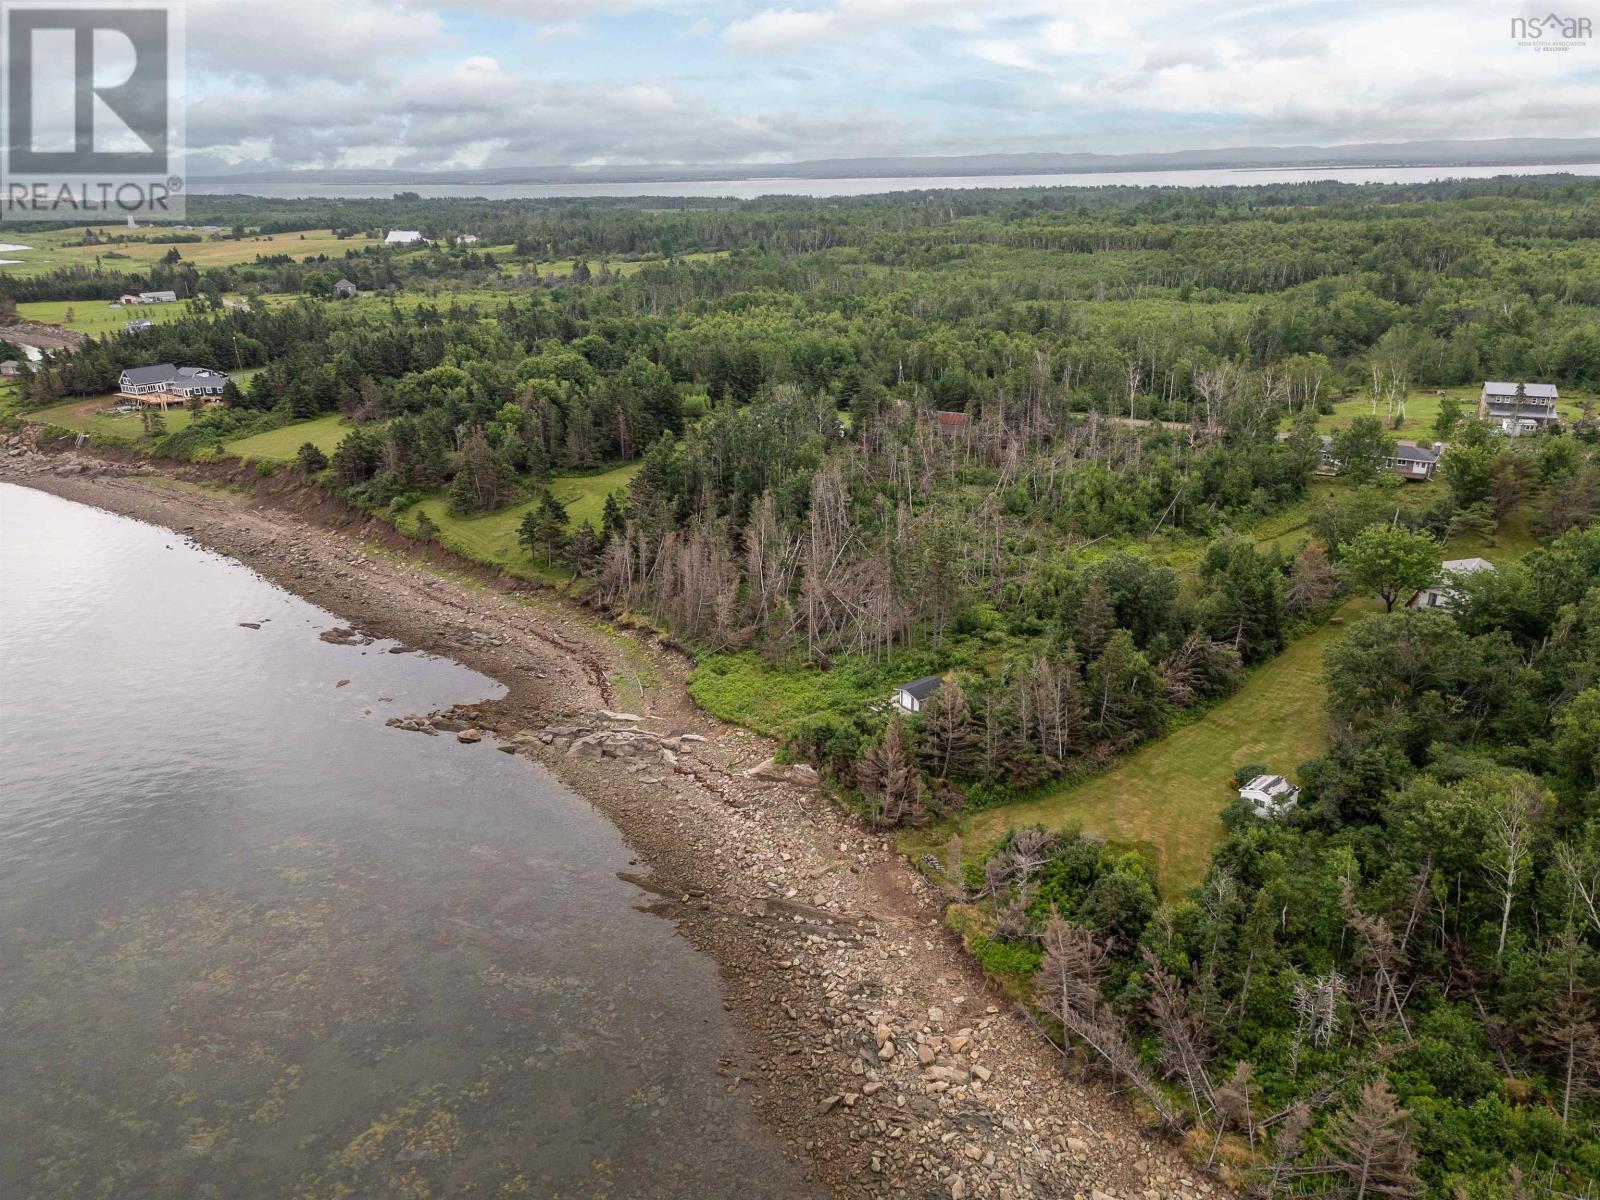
[874, 1046]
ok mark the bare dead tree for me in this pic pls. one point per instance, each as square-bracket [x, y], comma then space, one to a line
[1236, 1103]
[1287, 1144]
[1316, 1007]
[1582, 873]
[1075, 962]
[889, 779]
[1514, 821]
[1369, 1144]
[1382, 955]
[1569, 1031]
[1183, 1040]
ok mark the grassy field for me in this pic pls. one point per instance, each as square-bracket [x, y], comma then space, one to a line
[492, 537]
[47, 250]
[96, 317]
[94, 415]
[281, 444]
[1422, 409]
[1164, 798]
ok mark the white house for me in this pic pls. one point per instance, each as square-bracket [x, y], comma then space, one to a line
[467, 239]
[910, 697]
[402, 237]
[1272, 795]
[1442, 593]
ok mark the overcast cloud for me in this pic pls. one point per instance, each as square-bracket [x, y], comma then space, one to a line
[486, 83]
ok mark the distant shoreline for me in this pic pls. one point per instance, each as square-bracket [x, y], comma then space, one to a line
[288, 186]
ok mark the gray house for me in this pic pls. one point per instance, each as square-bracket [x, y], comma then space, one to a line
[344, 289]
[1519, 408]
[165, 386]
[910, 697]
[1409, 460]
[157, 298]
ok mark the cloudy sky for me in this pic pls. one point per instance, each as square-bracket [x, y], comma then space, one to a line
[486, 83]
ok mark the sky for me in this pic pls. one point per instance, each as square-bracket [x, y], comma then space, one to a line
[441, 84]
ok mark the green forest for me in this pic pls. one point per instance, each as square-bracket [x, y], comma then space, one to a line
[1064, 450]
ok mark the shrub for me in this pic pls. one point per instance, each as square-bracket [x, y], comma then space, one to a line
[311, 458]
[1245, 773]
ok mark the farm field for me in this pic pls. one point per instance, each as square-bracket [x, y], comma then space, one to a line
[281, 444]
[47, 251]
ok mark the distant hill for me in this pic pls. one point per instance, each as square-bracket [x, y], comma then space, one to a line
[1508, 152]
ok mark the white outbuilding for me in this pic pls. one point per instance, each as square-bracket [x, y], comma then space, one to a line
[1272, 795]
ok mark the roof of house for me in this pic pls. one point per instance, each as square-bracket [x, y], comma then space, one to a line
[167, 373]
[951, 418]
[344, 283]
[921, 689]
[1466, 566]
[1270, 785]
[158, 295]
[10, 362]
[1532, 391]
[404, 235]
[1415, 453]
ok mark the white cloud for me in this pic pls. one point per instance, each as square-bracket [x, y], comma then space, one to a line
[780, 29]
[487, 82]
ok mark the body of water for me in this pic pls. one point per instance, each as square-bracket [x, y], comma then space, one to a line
[254, 943]
[749, 189]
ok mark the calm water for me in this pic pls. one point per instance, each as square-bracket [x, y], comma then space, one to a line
[254, 943]
[749, 189]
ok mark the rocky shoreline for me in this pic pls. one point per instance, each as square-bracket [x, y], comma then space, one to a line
[873, 1045]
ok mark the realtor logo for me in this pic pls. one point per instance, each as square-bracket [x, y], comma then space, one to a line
[92, 110]
[1551, 33]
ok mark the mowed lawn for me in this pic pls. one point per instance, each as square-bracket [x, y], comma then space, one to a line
[96, 317]
[492, 537]
[1165, 798]
[325, 433]
[1422, 409]
[94, 415]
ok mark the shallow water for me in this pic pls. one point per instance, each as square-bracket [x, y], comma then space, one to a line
[255, 943]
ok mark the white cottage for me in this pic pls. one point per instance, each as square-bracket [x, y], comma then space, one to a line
[1272, 795]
